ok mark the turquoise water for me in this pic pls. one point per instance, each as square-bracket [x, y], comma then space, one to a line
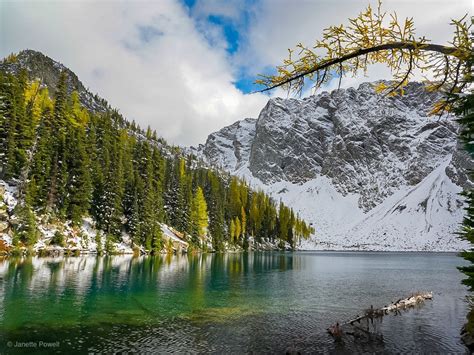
[243, 302]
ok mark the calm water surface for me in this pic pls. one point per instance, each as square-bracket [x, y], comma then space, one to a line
[249, 302]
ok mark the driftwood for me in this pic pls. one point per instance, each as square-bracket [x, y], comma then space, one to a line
[372, 313]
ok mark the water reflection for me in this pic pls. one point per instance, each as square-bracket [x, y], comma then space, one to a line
[87, 281]
[234, 302]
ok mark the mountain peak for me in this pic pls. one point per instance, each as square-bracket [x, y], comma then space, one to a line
[356, 147]
[47, 70]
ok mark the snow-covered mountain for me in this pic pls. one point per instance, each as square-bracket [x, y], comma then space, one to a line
[370, 172]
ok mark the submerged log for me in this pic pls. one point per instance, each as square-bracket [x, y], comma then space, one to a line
[371, 313]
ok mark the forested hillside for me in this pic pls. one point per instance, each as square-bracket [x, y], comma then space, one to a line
[68, 163]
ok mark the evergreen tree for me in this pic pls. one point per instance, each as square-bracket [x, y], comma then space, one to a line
[25, 231]
[216, 201]
[40, 172]
[238, 228]
[72, 163]
[9, 108]
[199, 214]
[235, 202]
[243, 217]
[465, 110]
[232, 230]
[79, 184]
[59, 170]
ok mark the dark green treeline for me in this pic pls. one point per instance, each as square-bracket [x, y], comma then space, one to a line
[464, 108]
[70, 163]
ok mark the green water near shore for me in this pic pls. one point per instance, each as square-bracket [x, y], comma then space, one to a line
[236, 302]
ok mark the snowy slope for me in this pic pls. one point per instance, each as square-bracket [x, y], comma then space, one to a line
[420, 217]
[369, 172]
[84, 239]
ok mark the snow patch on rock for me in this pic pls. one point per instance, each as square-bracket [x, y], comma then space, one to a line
[369, 173]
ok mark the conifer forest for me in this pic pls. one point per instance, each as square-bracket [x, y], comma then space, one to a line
[69, 163]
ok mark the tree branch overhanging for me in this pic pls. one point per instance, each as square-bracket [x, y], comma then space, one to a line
[372, 38]
[445, 50]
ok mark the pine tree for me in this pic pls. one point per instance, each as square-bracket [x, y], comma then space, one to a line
[40, 171]
[26, 230]
[151, 228]
[184, 197]
[284, 221]
[9, 108]
[232, 230]
[134, 222]
[3, 117]
[73, 163]
[243, 218]
[216, 201]
[79, 185]
[24, 129]
[238, 228]
[177, 195]
[199, 214]
[59, 171]
[235, 202]
[465, 110]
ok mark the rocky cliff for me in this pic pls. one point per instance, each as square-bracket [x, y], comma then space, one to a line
[370, 172]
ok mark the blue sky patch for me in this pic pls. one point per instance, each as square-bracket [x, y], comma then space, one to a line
[231, 33]
[189, 3]
[233, 30]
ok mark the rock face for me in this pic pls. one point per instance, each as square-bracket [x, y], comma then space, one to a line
[235, 139]
[47, 70]
[361, 149]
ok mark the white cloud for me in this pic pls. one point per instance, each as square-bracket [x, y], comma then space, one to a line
[147, 59]
[231, 9]
[161, 65]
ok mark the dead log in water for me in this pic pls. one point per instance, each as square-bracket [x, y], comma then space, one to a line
[371, 313]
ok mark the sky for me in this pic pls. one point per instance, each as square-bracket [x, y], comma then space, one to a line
[186, 67]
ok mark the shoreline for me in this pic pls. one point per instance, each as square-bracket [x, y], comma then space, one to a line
[63, 254]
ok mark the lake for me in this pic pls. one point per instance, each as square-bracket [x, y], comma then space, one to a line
[236, 302]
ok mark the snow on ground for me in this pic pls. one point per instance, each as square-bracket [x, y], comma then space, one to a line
[89, 232]
[6, 239]
[9, 195]
[83, 239]
[125, 245]
[421, 217]
[168, 233]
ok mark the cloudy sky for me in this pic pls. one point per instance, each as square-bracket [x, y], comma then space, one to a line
[186, 68]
